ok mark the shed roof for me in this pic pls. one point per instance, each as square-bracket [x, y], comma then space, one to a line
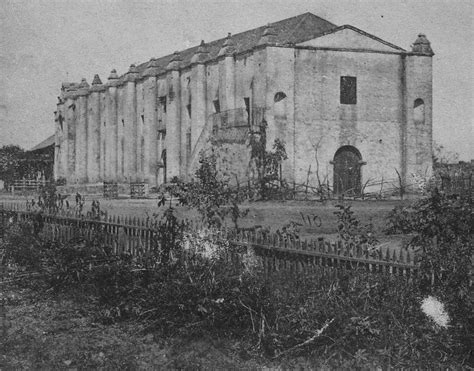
[45, 143]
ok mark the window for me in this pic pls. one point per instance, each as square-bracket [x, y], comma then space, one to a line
[188, 146]
[348, 90]
[122, 156]
[61, 120]
[419, 111]
[143, 119]
[279, 107]
[163, 103]
[247, 108]
[188, 107]
[142, 154]
[217, 106]
[279, 96]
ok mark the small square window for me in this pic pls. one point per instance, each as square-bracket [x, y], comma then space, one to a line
[348, 90]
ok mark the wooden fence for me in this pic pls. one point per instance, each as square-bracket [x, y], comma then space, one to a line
[27, 185]
[138, 190]
[138, 236]
[110, 190]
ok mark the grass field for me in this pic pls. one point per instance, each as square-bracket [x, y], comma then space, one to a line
[272, 214]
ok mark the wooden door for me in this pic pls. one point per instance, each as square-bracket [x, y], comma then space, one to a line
[347, 161]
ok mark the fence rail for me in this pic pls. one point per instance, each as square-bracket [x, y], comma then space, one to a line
[27, 185]
[138, 236]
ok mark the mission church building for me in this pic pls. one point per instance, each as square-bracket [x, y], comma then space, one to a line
[349, 107]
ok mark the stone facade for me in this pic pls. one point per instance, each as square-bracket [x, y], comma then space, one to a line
[343, 102]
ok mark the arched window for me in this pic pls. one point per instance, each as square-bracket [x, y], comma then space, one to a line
[279, 97]
[279, 107]
[419, 111]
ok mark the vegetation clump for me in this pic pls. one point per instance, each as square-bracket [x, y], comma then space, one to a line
[195, 285]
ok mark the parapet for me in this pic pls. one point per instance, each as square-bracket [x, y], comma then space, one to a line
[201, 55]
[228, 48]
[422, 46]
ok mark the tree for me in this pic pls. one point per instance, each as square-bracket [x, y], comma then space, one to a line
[11, 164]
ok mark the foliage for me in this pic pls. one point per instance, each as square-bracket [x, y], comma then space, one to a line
[443, 156]
[448, 218]
[21, 245]
[11, 165]
[332, 319]
[347, 320]
[168, 237]
[209, 193]
[443, 230]
[49, 200]
[350, 228]
[269, 184]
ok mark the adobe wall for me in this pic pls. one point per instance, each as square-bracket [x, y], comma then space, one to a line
[323, 123]
[419, 129]
[116, 131]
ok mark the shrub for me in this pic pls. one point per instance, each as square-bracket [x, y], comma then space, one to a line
[443, 229]
[21, 245]
[211, 194]
[350, 229]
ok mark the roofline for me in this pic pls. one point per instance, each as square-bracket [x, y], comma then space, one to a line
[358, 30]
[398, 51]
[305, 15]
[121, 80]
[38, 146]
[350, 50]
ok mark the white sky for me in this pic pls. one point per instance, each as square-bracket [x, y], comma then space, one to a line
[43, 43]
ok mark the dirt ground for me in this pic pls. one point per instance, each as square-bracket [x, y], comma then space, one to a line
[56, 333]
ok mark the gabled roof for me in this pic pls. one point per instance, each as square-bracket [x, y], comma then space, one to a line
[366, 34]
[45, 143]
[292, 30]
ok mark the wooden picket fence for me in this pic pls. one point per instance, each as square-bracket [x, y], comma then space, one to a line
[138, 236]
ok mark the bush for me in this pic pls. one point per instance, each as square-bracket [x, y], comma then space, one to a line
[332, 318]
[443, 229]
[20, 247]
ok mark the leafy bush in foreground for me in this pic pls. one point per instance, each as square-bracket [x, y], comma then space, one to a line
[336, 319]
[443, 230]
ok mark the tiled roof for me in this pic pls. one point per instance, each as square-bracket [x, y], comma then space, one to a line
[293, 30]
[45, 143]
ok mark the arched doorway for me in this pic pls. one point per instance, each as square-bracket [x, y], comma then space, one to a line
[347, 175]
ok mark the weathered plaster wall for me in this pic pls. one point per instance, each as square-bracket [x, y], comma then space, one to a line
[280, 115]
[70, 129]
[93, 137]
[323, 123]
[121, 132]
[418, 70]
